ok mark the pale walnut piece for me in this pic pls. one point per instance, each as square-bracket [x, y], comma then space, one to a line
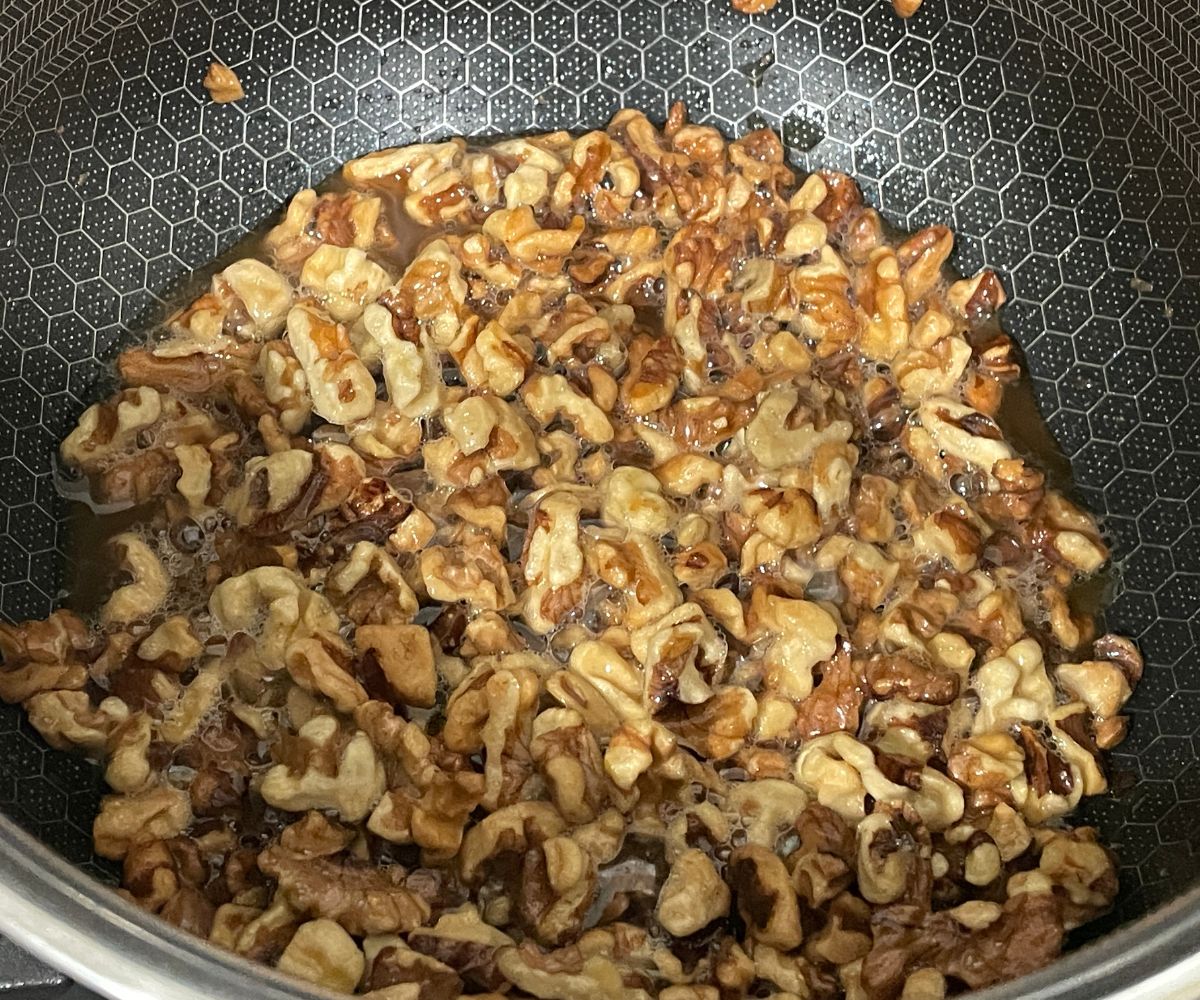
[576, 567]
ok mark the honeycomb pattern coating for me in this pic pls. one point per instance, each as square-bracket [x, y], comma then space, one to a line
[121, 178]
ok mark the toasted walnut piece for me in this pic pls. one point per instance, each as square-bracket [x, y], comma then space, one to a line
[43, 656]
[884, 305]
[636, 569]
[569, 760]
[405, 655]
[229, 922]
[552, 396]
[682, 656]
[128, 767]
[804, 634]
[492, 709]
[824, 863]
[1026, 936]
[924, 984]
[771, 441]
[653, 375]
[1081, 870]
[594, 976]
[552, 562]
[222, 84]
[693, 895]
[145, 594]
[602, 685]
[391, 963]
[343, 280]
[1013, 687]
[893, 857]
[68, 719]
[371, 586]
[515, 828]
[324, 954]
[765, 897]
[125, 820]
[341, 387]
[632, 499]
[1099, 684]
[351, 783]
[473, 571]
[461, 940]
[374, 899]
[273, 604]
[841, 771]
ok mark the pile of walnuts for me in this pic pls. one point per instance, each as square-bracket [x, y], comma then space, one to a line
[589, 566]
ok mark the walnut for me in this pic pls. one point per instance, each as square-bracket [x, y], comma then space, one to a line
[1026, 936]
[471, 570]
[682, 657]
[461, 940]
[511, 829]
[893, 857]
[771, 441]
[343, 280]
[140, 598]
[427, 804]
[825, 862]
[405, 655]
[492, 709]
[765, 897]
[390, 962]
[256, 299]
[363, 900]
[552, 396]
[347, 779]
[43, 656]
[222, 84]
[552, 562]
[69, 719]
[322, 953]
[341, 387]
[1013, 687]
[569, 760]
[157, 813]
[594, 976]
[693, 896]
[632, 499]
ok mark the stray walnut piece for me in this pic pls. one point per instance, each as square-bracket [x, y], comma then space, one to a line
[588, 566]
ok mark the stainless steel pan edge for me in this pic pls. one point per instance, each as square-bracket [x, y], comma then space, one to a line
[80, 926]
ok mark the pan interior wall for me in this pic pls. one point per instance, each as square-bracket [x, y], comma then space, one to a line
[120, 178]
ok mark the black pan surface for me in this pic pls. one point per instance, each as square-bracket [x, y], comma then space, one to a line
[121, 178]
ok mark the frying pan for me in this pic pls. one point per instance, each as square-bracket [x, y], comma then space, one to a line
[1060, 140]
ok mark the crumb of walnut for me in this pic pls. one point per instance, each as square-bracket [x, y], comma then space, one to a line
[222, 84]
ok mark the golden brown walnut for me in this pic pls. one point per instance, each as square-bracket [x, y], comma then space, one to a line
[765, 897]
[363, 900]
[222, 84]
[405, 655]
[324, 954]
[693, 895]
[126, 820]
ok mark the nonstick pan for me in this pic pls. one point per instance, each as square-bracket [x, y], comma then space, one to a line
[1060, 140]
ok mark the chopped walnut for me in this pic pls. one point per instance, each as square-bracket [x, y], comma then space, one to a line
[589, 565]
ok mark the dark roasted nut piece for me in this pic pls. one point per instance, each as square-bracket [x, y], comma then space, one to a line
[364, 900]
[1026, 936]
